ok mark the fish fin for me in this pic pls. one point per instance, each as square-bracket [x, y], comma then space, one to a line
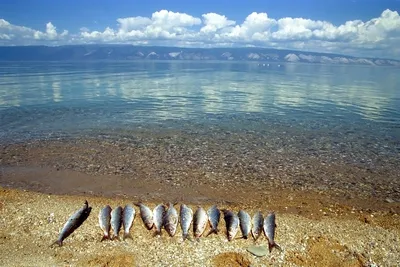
[105, 237]
[127, 235]
[57, 242]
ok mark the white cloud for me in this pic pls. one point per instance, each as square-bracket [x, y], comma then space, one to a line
[376, 37]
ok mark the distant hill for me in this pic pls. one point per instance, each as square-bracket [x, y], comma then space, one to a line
[129, 52]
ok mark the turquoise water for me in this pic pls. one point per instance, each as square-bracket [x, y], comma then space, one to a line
[62, 100]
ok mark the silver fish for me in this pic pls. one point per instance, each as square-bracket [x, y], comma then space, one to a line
[269, 230]
[116, 221]
[232, 224]
[170, 220]
[257, 228]
[73, 223]
[104, 221]
[245, 223]
[158, 216]
[147, 215]
[186, 216]
[199, 222]
[213, 218]
[128, 215]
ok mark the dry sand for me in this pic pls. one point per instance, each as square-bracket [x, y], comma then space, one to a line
[337, 235]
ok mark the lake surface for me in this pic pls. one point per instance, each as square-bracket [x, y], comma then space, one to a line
[44, 100]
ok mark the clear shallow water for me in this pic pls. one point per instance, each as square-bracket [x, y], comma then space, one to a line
[51, 100]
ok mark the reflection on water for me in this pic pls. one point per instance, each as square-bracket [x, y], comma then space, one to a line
[71, 96]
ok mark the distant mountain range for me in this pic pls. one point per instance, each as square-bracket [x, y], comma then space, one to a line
[129, 52]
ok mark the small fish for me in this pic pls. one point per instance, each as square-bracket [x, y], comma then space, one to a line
[170, 220]
[232, 224]
[200, 220]
[213, 218]
[104, 221]
[269, 230]
[73, 223]
[186, 215]
[128, 215]
[116, 222]
[158, 216]
[245, 223]
[147, 215]
[257, 222]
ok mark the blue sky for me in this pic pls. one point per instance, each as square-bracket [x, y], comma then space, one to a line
[373, 26]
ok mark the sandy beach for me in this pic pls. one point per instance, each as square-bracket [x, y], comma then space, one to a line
[328, 213]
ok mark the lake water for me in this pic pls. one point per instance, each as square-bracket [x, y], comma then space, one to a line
[44, 100]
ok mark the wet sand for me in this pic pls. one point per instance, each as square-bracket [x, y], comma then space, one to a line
[329, 212]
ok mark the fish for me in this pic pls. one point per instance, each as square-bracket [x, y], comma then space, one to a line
[128, 215]
[158, 216]
[116, 222]
[213, 218]
[73, 223]
[245, 223]
[258, 222]
[186, 217]
[200, 220]
[232, 224]
[170, 220]
[104, 222]
[146, 214]
[269, 231]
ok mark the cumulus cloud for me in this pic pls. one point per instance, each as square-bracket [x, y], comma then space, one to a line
[376, 37]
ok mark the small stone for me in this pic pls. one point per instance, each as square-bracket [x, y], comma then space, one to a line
[258, 251]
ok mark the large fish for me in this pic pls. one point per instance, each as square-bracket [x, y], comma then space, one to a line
[258, 222]
[158, 216]
[171, 220]
[232, 224]
[269, 230]
[245, 223]
[116, 222]
[213, 218]
[147, 215]
[128, 215]
[200, 220]
[73, 223]
[104, 221]
[186, 216]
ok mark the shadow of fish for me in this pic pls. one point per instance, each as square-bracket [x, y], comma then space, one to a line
[186, 217]
[245, 223]
[200, 220]
[73, 223]
[232, 224]
[213, 218]
[128, 215]
[258, 222]
[170, 220]
[146, 214]
[158, 217]
[116, 222]
[104, 222]
[269, 231]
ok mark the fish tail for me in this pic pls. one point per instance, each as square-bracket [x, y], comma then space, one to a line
[127, 235]
[105, 237]
[116, 237]
[272, 244]
[212, 231]
[156, 233]
[57, 242]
